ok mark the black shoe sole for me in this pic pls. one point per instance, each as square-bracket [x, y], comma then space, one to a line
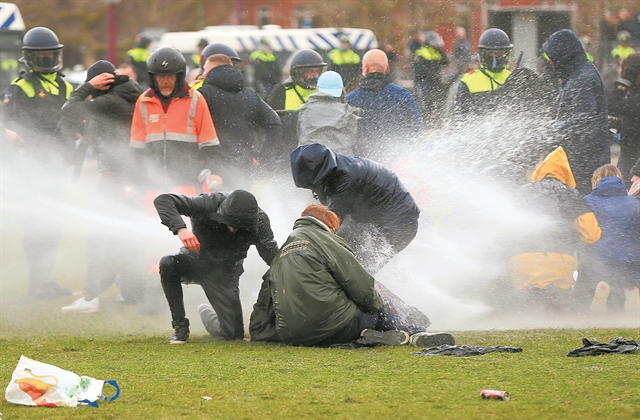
[388, 338]
[434, 340]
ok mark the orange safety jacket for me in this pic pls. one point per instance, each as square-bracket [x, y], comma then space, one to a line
[187, 120]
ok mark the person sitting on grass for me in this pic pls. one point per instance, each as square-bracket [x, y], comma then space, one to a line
[321, 295]
[614, 261]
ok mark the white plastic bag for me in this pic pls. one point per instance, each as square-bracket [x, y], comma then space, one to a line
[39, 384]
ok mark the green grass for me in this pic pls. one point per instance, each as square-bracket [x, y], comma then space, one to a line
[259, 381]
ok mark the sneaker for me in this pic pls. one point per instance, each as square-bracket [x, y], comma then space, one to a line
[388, 338]
[599, 303]
[425, 339]
[180, 332]
[632, 300]
[83, 306]
[209, 320]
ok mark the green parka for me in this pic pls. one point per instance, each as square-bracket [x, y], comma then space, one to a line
[317, 284]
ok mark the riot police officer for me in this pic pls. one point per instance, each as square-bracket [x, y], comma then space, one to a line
[476, 86]
[31, 107]
[306, 66]
[138, 56]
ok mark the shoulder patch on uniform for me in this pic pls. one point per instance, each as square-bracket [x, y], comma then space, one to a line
[154, 118]
[7, 98]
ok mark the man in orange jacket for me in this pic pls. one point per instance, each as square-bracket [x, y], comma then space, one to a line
[172, 122]
[173, 127]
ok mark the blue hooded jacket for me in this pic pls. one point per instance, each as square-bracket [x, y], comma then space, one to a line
[581, 108]
[618, 215]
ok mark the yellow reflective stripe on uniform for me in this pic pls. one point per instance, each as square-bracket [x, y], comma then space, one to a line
[26, 87]
[265, 57]
[589, 57]
[339, 58]
[51, 87]
[292, 99]
[477, 81]
[428, 53]
[196, 84]
[9, 64]
[622, 51]
[139, 54]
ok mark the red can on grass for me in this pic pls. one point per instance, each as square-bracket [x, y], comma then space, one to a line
[494, 394]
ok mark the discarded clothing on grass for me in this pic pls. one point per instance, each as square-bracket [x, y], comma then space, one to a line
[447, 350]
[593, 348]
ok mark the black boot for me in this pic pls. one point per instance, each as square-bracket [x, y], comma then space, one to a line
[180, 332]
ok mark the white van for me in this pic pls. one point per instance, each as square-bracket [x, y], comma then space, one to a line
[284, 42]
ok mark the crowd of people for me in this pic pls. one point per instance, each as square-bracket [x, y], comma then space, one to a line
[171, 147]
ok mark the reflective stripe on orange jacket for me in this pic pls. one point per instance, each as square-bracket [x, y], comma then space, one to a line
[187, 119]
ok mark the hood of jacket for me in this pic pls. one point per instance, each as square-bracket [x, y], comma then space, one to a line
[610, 186]
[226, 78]
[555, 165]
[311, 163]
[126, 88]
[374, 82]
[239, 210]
[565, 51]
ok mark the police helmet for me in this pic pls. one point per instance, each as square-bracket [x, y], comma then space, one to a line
[624, 36]
[142, 40]
[304, 60]
[167, 60]
[203, 43]
[41, 50]
[495, 50]
[218, 48]
[433, 39]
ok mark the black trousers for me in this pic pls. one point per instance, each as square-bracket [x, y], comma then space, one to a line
[375, 245]
[220, 281]
[351, 331]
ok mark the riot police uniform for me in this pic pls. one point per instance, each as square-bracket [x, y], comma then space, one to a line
[477, 86]
[31, 107]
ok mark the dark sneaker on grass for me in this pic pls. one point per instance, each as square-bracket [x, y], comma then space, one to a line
[425, 339]
[388, 338]
[180, 332]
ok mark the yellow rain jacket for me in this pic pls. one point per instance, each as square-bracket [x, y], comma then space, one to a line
[552, 262]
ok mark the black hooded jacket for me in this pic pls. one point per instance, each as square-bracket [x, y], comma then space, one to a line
[108, 117]
[581, 108]
[238, 113]
[211, 214]
[358, 187]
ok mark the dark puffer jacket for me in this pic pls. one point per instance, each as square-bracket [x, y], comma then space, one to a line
[618, 216]
[108, 122]
[211, 214]
[238, 114]
[317, 285]
[581, 109]
[351, 186]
